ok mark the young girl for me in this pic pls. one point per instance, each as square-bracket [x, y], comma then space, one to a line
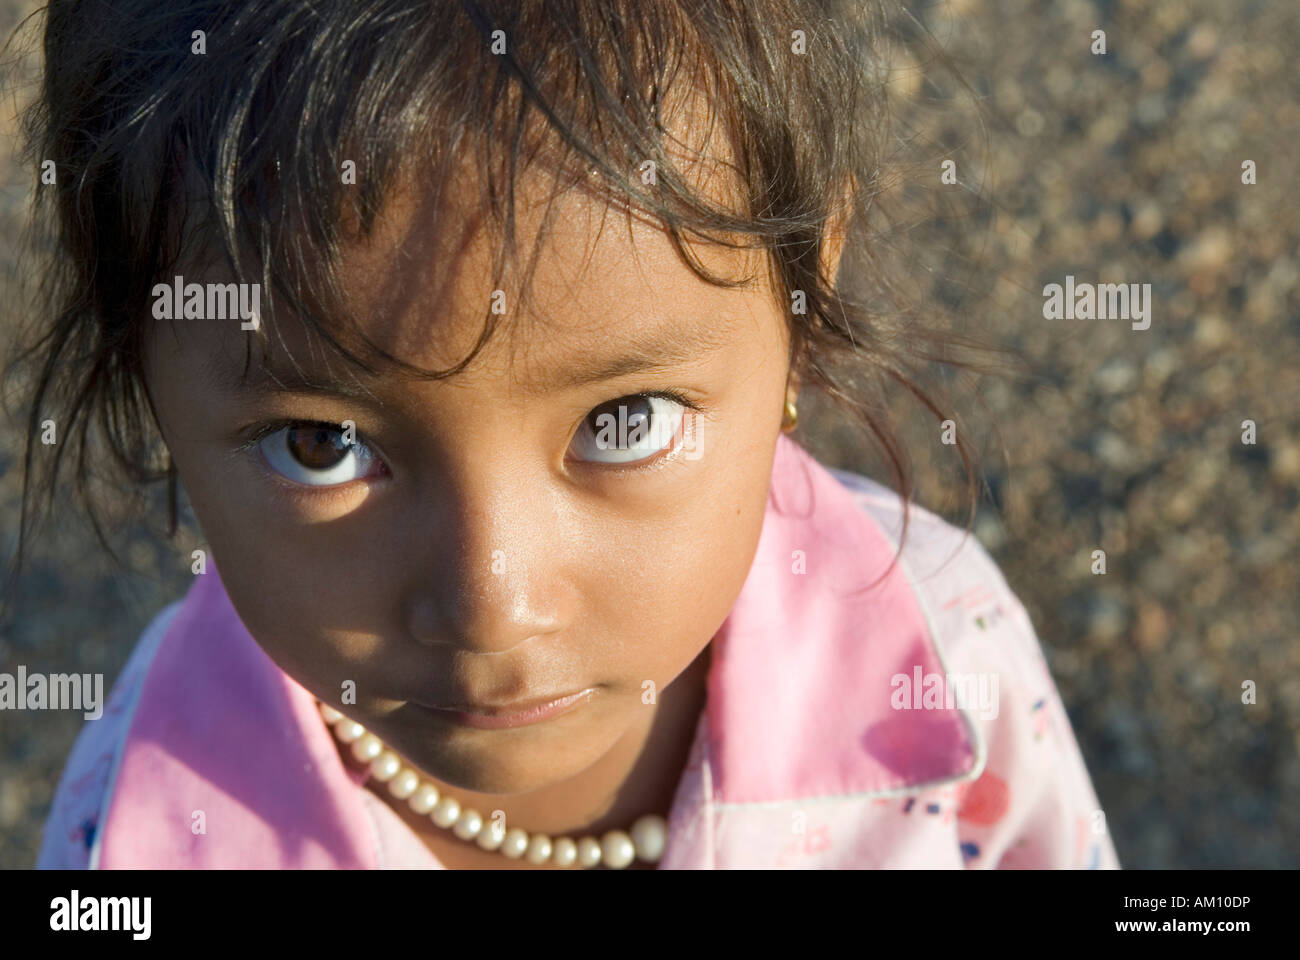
[475, 333]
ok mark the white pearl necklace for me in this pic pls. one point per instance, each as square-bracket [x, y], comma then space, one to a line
[645, 841]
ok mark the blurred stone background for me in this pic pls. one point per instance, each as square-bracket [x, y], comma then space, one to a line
[1125, 168]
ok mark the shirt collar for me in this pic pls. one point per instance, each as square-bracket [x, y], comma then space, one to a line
[802, 670]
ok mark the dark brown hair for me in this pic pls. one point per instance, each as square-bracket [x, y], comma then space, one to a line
[240, 148]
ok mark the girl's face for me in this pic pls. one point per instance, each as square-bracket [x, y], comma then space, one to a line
[479, 543]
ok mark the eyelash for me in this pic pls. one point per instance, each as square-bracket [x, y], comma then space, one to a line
[264, 430]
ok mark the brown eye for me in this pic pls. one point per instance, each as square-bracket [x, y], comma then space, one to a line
[316, 454]
[316, 447]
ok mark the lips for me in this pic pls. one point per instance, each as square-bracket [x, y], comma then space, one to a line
[521, 713]
[510, 709]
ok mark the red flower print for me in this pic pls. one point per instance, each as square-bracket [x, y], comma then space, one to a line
[986, 801]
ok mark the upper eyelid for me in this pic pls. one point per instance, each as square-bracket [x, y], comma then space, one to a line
[263, 430]
[675, 396]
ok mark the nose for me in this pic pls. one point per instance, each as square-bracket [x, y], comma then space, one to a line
[491, 580]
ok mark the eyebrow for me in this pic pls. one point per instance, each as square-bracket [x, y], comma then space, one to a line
[654, 351]
[647, 352]
[259, 380]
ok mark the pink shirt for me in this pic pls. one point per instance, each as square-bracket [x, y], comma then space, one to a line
[909, 723]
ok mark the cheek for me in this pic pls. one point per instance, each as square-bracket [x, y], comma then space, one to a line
[729, 530]
[281, 611]
[298, 589]
[678, 579]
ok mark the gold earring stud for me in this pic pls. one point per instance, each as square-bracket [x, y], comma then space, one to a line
[791, 418]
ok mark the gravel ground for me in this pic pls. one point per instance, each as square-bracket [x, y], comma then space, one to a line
[1123, 168]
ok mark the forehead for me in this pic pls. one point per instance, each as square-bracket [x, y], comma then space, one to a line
[581, 273]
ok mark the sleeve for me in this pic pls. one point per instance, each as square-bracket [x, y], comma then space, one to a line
[1034, 806]
[72, 825]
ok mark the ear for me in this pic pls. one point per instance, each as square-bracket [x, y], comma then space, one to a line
[833, 243]
[837, 230]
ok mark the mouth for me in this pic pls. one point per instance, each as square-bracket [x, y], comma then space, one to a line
[519, 713]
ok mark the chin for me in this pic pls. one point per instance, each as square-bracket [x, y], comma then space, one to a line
[501, 770]
[501, 762]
